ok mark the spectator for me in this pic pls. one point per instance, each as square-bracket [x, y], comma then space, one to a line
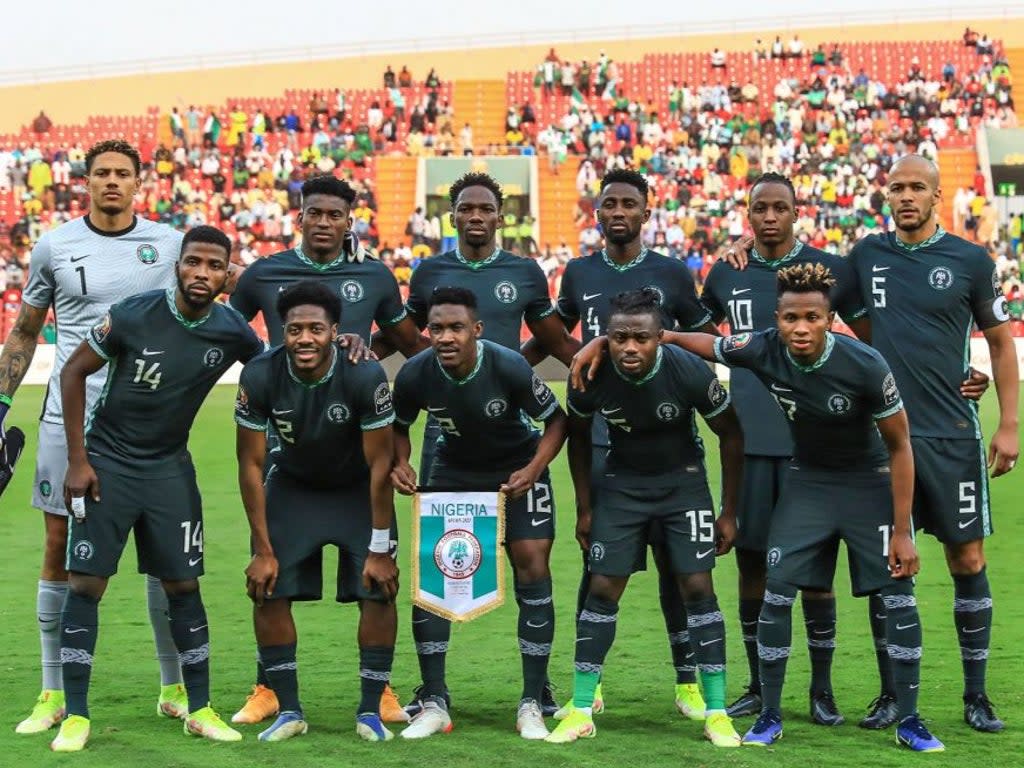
[41, 123]
[405, 78]
[778, 51]
[796, 47]
[389, 77]
[717, 59]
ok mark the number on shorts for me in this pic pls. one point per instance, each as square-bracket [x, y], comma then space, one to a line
[702, 525]
[284, 430]
[968, 498]
[593, 322]
[788, 406]
[150, 375]
[193, 536]
[886, 531]
[538, 500]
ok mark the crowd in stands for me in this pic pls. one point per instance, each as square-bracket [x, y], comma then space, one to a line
[833, 128]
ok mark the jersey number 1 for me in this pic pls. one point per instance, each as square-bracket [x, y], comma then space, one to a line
[81, 279]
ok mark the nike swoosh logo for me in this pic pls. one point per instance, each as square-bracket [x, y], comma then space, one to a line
[777, 388]
[589, 296]
[609, 411]
[421, 621]
[581, 639]
[197, 629]
[704, 643]
[280, 288]
[74, 630]
[821, 631]
[763, 621]
[529, 623]
[276, 412]
[738, 291]
[972, 631]
[915, 686]
[705, 553]
[535, 523]
[906, 626]
[192, 562]
[880, 618]
[967, 523]
[435, 410]
[151, 352]
[79, 258]
[875, 268]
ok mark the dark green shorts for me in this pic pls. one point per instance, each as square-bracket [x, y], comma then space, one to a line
[302, 521]
[816, 511]
[759, 493]
[531, 516]
[624, 517]
[165, 513]
[951, 489]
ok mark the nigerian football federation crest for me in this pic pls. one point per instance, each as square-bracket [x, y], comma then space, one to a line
[496, 407]
[352, 290]
[147, 253]
[506, 292]
[83, 550]
[337, 413]
[838, 403]
[668, 411]
[940, 278]
[213, 357]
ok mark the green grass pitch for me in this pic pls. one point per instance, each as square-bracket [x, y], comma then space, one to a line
[640, 727]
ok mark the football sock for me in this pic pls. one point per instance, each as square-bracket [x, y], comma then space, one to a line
[432, 635]
[879, 635]
[374, 673]
[50, 598]
[261, 674]
[674, 612]
[192, 637]
[903, 626]
[749, 611]
[166, 650]
[972, 615]
[283, 674]
[584, 588]
[707, 630]
[536, 633]
[774, 638]
[595, 633]
[820, 623]
[80, 625]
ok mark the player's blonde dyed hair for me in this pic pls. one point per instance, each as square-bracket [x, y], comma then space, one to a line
[811, 277]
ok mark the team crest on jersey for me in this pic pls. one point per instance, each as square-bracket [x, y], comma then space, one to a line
[774, 557]
[213, 357]
[242, 401]
[890, 393]
[506, 292]
[838, 403]
[940, 278]
[352, 290]
[45, 488]
[716, 393]
[101, 330]
[541, 390]
[657, 290]
[736, 341]
[382, 398]
[337, 413]
[147, 253]
[496, 407]
[667, 411]
[83, 550]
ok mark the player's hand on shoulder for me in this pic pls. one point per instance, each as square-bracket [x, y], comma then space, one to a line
[519, 482]
[403, 478]
[261, 577]
[903, 559]
[590, 355]
[79, 482]
[234, 275]
[358, 349]
[725, 534]
[976, 385]
[381, 570]
[737, 253]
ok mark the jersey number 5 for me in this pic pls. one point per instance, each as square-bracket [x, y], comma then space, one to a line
[878, 291]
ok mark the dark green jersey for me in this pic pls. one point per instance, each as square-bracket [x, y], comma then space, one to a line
[923, 302]
[590, 283]
[318, 426]
[651, 420]
[161, 367]
[369, 291]
[746, 300]
[831, 405]
[480, 416]
[509, 289]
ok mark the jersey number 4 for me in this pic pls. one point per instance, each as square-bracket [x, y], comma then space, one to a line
[146, 373]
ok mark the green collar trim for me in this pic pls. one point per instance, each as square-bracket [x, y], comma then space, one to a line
[322, 379]
[830, 342]
[472, 374]
[190, 324]
[939, 234]
[647, 377]
[317, 265]
[799, 246]
[477, 264]
[623, 267]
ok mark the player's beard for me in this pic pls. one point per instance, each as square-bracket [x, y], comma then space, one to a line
[196, 304]
[623, 238]
[922, 221]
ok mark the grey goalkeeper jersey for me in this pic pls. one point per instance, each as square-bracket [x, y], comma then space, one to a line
[81, 272]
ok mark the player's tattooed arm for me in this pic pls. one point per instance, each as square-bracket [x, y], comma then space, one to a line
[895, 431]
[726, 427]
[580, 448]
[261, 573]
[20, 348]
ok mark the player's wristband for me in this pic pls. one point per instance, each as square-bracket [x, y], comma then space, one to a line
[5, 405]
[380, 541]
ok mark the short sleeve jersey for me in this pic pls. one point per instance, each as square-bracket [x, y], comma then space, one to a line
[651, 423]
[368, 290]
[81, 271]
[509, 290]
[590, 283]
[479, 416]
[746, 300]
[831, 405]
[318, 427]
[161, 368]
[923, 302]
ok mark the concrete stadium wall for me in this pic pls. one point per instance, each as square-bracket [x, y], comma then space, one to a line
[74, 101]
